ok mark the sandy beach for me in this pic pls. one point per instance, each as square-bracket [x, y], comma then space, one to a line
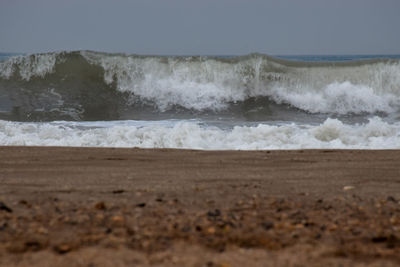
[160, 207]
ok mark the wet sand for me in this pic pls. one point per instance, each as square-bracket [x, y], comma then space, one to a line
[158, 207]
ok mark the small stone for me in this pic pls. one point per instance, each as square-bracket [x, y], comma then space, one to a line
[141, 205]
[392, 199]
[211, 230]
[117, 219]
[304, 194]
[267, 225]
[379, 239]
[100, 206]
[23, 202]
[5, 207]
[62, 249]
[348, 187]
[214, 213]
[332, 227]
[33, 245]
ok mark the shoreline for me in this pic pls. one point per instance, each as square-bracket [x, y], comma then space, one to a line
[167, 207]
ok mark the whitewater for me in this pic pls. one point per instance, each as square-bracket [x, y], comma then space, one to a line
[252, 102]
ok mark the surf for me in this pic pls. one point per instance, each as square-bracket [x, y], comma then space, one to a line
[88, 85]
[332, 134]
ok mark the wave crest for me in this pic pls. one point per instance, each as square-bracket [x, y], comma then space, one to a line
[199, 83]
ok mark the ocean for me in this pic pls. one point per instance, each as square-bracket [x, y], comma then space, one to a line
[251, 102]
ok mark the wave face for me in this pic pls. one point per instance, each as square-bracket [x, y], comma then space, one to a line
[87, 85]
[375, 134]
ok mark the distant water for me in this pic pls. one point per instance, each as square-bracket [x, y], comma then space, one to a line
[86, 98]
[5, 56]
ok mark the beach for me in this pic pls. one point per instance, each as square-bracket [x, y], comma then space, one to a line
[199, 133]
[167, 207]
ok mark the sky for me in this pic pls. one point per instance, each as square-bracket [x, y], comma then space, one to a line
[202, 27]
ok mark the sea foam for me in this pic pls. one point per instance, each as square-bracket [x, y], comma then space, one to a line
[36, 65]
[376, 134]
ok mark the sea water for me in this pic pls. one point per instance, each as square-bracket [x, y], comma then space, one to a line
[86, 98]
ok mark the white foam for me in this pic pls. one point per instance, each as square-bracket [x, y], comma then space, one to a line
[339, 98]
[207, 83]
[376, 134]
[193, 84]
[28, 66]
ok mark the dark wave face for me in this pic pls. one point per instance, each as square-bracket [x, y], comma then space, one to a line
[85, 85]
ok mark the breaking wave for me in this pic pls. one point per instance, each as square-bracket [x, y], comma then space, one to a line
[86, 85]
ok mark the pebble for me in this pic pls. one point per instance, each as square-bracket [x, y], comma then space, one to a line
[100, 206]
[5, 207]
[214, 213]
[62, 248]
[119, 191]
[42, 230]
[267, 225]
[211, 230]
[348, 187]
[117, 219]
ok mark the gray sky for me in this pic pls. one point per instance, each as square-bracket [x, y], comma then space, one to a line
[206, 27]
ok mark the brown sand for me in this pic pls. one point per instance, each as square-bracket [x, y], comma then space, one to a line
[134, 207]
